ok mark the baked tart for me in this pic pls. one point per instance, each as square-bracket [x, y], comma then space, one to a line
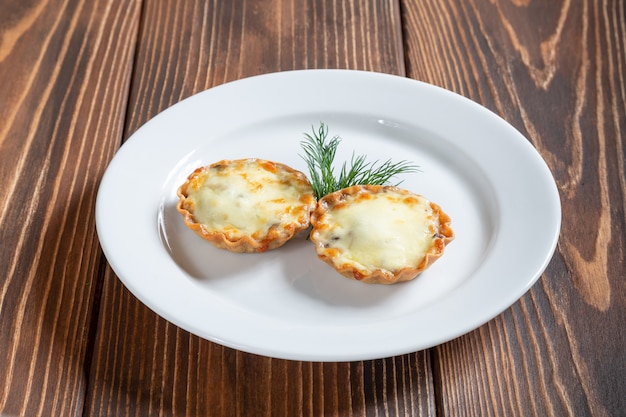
[246, 205]
[379, 234]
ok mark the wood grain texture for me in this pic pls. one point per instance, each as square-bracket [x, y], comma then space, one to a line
[143, 365]
[556, 71]
[78, 77]
[64, 71]
[146, 366]
[188, 47]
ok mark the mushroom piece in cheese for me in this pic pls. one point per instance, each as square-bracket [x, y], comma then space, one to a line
[379, 234]
[246, 205]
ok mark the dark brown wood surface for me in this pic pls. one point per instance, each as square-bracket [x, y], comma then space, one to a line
[557, 72]
[79, 77]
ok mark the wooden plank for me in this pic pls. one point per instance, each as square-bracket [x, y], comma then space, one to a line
[64, 71]
[148, 367]
[145, 366]
[555, 70]
[186, 48]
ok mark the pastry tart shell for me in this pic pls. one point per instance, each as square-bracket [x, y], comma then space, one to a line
[260, 241]
[370, 274]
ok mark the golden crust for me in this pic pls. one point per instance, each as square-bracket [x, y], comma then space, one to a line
[375, 275]
[259, 241]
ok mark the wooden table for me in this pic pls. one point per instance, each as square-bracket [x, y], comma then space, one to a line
[79, 77]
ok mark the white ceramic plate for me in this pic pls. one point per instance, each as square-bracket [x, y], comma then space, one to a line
[286, 303]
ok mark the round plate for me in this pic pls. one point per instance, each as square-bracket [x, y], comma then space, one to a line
[286, 303]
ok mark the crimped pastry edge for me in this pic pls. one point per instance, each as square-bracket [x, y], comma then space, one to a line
[378, 275]
[246, 243]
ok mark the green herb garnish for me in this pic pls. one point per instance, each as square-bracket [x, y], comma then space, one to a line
[320, 153]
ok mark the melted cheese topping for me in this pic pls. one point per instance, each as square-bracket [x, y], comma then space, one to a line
[247, 197]
[379, 231]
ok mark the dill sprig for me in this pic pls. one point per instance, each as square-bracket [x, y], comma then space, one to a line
[319, 155]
